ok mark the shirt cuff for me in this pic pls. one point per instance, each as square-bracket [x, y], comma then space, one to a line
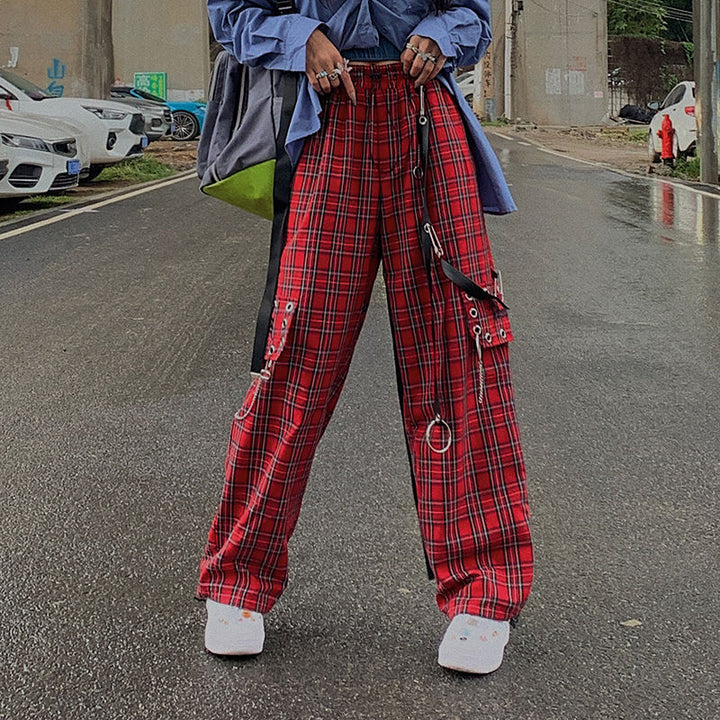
[301, 29]
[433, 27]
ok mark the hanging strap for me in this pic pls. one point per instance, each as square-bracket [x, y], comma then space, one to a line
[431, 246]
[287, 89]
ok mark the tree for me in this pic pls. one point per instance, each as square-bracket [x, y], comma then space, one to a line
[660, 19]
[637, 19]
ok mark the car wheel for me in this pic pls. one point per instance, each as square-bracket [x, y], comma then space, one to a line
[186, 125]
[652, 153]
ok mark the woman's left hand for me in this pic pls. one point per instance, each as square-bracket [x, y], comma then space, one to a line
[417, 62]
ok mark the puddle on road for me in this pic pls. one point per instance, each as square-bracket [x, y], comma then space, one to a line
[670, 211]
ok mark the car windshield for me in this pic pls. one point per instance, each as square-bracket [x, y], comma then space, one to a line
[30, 89]
[148, 96]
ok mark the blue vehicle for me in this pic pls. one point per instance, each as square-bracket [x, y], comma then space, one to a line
[188, 117]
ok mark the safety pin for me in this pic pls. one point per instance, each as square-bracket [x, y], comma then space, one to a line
[434, 239]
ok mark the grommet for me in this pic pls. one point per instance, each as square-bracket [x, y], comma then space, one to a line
[473, 312]
[477, 330]
[272, 349]
[488, 337]
[283, 324]
[289, 307]
[502, 332]
[469, 297]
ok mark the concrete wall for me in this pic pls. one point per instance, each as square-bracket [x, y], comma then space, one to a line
[560, 69]
[168, 36]
[63, 50]
[66, 46]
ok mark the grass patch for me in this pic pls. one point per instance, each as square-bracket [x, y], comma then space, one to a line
[687, 168]
[500, 122]
[638, 135]
[10, 208]
[138, 170]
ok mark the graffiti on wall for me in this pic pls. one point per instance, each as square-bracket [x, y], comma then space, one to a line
[56, 72]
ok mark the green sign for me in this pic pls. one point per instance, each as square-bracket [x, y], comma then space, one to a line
[152, 82]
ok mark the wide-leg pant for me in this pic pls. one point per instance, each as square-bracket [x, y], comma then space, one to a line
[355, 203]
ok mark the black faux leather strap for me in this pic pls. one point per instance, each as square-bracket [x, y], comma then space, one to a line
[281, 202]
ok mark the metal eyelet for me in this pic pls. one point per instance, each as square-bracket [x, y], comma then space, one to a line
[488, 337]
[502, 332]
[477, 330]
[289, 307]
[473, 312]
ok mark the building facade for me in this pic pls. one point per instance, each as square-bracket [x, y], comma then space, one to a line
[557, 57]
[79, 47]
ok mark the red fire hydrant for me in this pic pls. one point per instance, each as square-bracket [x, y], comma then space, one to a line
[666, 134]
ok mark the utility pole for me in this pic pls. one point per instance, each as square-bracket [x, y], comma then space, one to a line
[507, 64]
[704, 18]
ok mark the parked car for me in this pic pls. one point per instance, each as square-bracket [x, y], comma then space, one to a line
[680, 106]
[188, 117]
[114, 132]
[40, 157]
[158, 115]
[466, 83]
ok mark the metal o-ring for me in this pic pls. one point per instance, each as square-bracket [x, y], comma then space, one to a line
[437, 420]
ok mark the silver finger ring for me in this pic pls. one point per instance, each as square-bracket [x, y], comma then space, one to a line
[334, 75]
[427, 57]
[339, 69]
[322, 74]
[414, 48]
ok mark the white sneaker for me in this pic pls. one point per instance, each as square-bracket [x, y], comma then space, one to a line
[232, 630]
[473, 644]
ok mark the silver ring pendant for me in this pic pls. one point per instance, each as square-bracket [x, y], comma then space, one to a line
[437, 420]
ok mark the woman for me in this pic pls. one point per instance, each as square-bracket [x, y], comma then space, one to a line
[374, 77]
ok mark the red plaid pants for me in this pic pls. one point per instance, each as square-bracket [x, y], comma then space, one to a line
[355, 203]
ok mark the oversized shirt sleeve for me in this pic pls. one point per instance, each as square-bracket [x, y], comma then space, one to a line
[462, 33]
[255, 35]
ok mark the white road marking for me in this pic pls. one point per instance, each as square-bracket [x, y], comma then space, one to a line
[92, 208]
[502, 135]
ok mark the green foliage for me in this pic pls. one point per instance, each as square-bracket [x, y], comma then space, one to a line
[647, 21]
[687, 168]
[139, 170]
[17, 208]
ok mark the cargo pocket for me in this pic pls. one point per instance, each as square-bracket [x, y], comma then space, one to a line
[283, 312]
[488, 326]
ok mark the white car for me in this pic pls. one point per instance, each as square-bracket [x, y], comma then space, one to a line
[114, 131]
[466, 83]
[40, 157]
[680, 106]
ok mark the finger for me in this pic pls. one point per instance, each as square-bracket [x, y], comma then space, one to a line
[334, 78]
[425, 74]
[313, 81]
[438, 67]
[325, 86]
[349, 87]
[407, 58]
[417, 67]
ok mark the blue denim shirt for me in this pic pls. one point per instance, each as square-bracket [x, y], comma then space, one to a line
[255, 35]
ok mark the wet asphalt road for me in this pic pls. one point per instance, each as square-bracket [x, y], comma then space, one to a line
[126, 333]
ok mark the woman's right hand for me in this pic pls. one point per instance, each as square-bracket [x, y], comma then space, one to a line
[322, 56]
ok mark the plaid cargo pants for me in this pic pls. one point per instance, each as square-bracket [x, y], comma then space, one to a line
[354, 204]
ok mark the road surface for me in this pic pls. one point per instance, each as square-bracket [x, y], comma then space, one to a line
[126, 334]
